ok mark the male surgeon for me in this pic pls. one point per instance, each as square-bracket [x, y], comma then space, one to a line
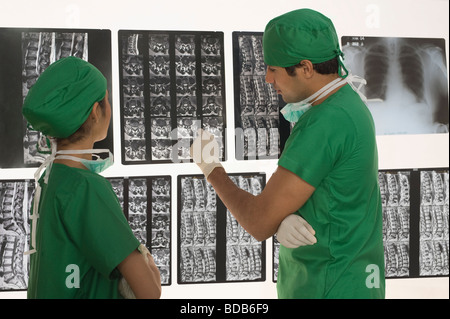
[323, 200]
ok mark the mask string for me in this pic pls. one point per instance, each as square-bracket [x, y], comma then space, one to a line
[323, 89]
[298, 105]
[347, 75]
[338, 82]
[94, 152]
[37, 195]
[351, 79]
[86, 151]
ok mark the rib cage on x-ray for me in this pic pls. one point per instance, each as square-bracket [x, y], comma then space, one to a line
[406, 82]
[39, 50]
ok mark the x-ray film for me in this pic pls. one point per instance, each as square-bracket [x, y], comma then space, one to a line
[434, 220]
[172, 84]
[146, 202]
[40, 49]
[415, 205]
[259, 133]
[212, 246]
[25, 54]
[395, 201]
[407, 85]
[15, 203]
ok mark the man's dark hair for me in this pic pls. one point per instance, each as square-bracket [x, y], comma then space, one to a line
[327, 67]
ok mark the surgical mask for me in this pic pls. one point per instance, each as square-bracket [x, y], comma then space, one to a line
[293, 111]
[97, 166]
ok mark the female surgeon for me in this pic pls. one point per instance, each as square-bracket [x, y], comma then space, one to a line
[81, 243]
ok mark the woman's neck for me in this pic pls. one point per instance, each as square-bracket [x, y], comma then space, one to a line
[84, 145]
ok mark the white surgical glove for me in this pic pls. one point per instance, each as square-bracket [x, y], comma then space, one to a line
[294, 232]
[205, 152]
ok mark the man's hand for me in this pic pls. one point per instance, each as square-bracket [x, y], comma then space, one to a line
[294, 232]
[205, 152]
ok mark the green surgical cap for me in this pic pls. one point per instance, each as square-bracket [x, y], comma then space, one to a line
[63, 96]
[298, 35]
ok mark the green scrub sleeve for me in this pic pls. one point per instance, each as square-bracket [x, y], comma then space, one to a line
[96, 223]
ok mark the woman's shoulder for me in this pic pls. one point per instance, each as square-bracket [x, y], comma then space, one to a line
[72, 176]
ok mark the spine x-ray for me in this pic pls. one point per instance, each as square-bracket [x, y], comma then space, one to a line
[415, 206]
[15, 203]
[212, 246]
[407, 85]
[172, 84]
[25, 54]
[40, 49]
[146, 202]
[434, 220]
[257, 105]
[395, 201]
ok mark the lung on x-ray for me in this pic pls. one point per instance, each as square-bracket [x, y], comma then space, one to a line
[406, 82]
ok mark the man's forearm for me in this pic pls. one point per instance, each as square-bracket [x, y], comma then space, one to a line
[246, 208]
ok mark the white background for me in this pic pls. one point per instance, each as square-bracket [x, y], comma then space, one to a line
[382, 18]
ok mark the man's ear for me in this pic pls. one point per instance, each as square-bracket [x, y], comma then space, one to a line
[307, 68]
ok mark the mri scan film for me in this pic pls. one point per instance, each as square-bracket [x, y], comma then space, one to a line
[28, 53]
[172, 84]
[415, 223]
[212, 246]
[146, 202]
[259, 126]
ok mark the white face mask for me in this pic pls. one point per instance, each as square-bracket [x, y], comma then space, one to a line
[293, 111]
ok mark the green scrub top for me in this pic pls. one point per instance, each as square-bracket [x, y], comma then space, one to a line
[333, 148]
[82, 235]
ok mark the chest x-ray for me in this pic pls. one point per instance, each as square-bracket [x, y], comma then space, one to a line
[406, 82]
